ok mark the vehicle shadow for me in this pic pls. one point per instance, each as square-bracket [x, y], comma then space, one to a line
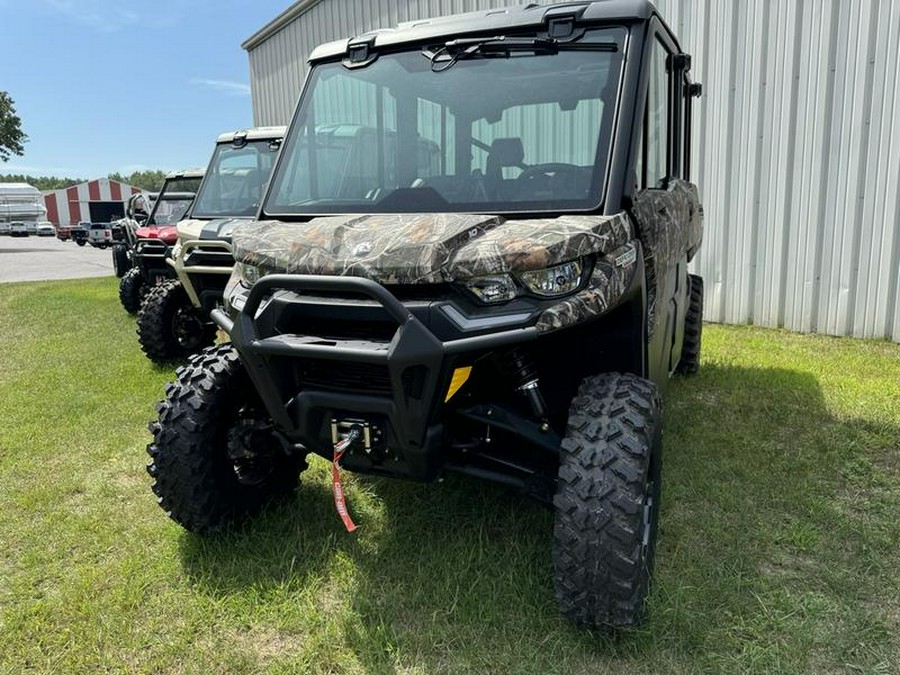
[26, 250]
[764, 500]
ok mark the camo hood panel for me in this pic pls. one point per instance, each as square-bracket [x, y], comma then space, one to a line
[389, 249]
[425, 248]
[528, 245]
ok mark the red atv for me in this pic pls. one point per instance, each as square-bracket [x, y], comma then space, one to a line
[140, 260]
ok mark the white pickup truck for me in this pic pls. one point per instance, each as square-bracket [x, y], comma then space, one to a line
[100, 235]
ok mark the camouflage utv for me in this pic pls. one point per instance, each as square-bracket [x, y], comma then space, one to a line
[173, 321]
[509, 306]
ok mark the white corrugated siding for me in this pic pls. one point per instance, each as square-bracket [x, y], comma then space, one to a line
[797, 146]
[278, 65]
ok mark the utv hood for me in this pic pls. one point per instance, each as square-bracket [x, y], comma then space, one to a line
[165, 233]
[425, 248]
[219, 229]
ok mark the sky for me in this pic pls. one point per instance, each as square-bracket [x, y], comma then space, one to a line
[108, 86]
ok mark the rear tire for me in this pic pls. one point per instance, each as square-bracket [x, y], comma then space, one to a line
[169, 327]
[80, 242]
[607, 501]
[120, 260]
[689, 363]
[206, 475]
[132, 288]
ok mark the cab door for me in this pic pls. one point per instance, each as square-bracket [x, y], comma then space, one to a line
[665, 205]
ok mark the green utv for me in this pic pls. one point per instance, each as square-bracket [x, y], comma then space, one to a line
[494, 283]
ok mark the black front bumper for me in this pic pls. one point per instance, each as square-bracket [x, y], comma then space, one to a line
[395, 379]
[150, 257]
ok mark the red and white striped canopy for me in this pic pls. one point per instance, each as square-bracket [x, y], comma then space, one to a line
[70, 205]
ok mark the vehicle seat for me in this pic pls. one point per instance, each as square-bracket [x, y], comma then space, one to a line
[249, 195]
[504, 152]
[255, 181]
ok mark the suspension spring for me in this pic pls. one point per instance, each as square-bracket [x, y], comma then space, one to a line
[520, 368]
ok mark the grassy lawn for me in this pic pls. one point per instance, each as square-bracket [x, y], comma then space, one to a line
[779, 546]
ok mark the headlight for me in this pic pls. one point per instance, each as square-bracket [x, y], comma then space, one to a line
[554, 281]
[234, 287]
[493, 289]
[250, 274]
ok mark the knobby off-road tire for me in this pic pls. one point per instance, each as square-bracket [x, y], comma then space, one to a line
[120, 260]
[169, 327]
[689, 363]
[607, 501]
[198, 481]
[132, 288]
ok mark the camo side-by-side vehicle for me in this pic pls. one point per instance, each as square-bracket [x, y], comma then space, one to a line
[174, 318]
[148, 245]
[498, 285]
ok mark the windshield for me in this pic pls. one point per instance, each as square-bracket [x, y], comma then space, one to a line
[515, 130]
[174, 200]
[235, 180]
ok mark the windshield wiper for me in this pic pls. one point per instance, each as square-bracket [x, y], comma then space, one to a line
[465, 48]
[501, 46]
[503, 43]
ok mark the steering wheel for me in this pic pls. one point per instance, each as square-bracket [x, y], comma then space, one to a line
[549, 171]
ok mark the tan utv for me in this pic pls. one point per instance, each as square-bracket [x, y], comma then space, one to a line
[174, 318]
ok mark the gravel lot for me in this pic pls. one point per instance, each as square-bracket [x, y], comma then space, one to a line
[35, 258]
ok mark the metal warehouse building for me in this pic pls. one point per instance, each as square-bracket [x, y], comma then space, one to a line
[796, 145]
[98, 200]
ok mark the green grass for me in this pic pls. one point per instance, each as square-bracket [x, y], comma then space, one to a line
[779, 545]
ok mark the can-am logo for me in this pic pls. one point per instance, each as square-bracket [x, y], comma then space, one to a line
[364, 248]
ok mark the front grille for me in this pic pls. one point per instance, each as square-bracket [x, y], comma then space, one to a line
[347, 329]
[213, 257]
[362, 378]
[414, 381]
[421, 292]
[151, 247]
[336, 320]
[403, 292]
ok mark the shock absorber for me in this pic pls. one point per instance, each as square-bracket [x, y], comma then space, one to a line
[517, 364]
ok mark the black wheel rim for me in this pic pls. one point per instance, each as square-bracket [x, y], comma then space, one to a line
[254, 451]
[187, 328]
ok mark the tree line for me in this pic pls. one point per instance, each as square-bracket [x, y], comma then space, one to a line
[146, 180]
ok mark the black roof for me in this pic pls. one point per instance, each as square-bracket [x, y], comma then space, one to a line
[500, 21]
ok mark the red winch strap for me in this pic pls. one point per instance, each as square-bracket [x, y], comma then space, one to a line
[337, 489]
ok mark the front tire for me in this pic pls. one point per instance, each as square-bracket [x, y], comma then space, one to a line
[607, 501]
[132, 289]
[169, 327]
[214, 459]
[120, 260]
